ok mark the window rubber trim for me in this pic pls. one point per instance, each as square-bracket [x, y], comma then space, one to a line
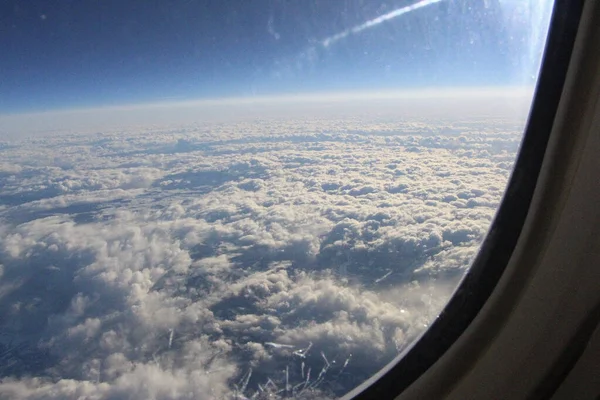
[499, 244]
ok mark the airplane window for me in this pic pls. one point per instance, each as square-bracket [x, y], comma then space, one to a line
[251, 200]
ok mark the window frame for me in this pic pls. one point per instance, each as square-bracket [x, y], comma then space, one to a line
[497, 248]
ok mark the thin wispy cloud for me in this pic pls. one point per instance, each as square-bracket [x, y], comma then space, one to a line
[376, 21]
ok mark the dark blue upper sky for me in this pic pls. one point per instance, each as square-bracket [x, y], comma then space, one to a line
[81, 53]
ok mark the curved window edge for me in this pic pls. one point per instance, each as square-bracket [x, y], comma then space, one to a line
[488, 266]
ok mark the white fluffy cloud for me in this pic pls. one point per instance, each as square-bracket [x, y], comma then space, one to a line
[250, 259]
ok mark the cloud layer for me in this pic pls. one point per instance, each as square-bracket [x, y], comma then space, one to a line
[276, 257]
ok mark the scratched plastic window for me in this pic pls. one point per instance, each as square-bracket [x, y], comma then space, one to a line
[252, 200]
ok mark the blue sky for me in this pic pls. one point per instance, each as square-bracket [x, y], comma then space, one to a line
[84, 53]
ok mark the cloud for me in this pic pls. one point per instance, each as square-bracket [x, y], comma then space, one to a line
[272, 257]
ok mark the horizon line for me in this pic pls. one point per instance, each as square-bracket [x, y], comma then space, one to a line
[304, 97]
